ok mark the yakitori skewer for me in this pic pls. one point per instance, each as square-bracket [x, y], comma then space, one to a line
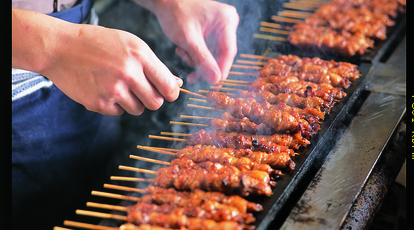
[201, 153]
[242, 163]
[224, 179]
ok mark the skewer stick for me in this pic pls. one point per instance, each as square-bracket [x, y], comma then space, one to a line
[250, 62]
[124, 188]
[152, 149]
[298, 6]
[254, 56]
[106, 206]
[60, 228]
[294, 14]
[173, 134]
[236, 84]
[187, 123]
[201, 107]
[243, 73]
[221, 88]
[100, 214]
[149, 160]
[196, 99]
[269, 37]
[115, 196]
[245, 67]
[274, 25]
[157, 151]
[275, 31]
[196, 117]
[207, 91]
[238, 81]
[166, 149]
[137, 169]
[192, 93]
[122, 178]
[288, 20]
[166, 138]
[87, 226]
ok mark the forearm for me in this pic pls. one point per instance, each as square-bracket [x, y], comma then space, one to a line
[34, 39]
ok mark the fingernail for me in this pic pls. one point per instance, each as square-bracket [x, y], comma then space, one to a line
[179, 81]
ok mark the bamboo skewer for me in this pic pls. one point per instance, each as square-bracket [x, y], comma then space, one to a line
[245, 67]
[294, 14]
[275, 31]
[100, 214]
[124, 188]
[166, 138]
[151, 149]
[129, 168]
[195, 99]
[186, 123]
[200, 107]
[192, 93]
[269, 37]
[242, 73]
[236, 84]
[114, 196]
[87, 226]
[207, 91]
[196, 117]
[254, 56]
[173, 134]
[250, 62]
[237, 81]
[221, 88]
[60, 228]
[288, 20]
[149, 160]
[274, 25]
[122, 178]
[106, 206]
[299, 6]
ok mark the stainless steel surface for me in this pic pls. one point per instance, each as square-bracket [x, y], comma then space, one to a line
[330, 195]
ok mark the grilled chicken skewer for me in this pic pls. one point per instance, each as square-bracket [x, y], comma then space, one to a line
[201, 153]
[226, 181]
[274, 144]
[207, 209]
[242, 164]
[159, 195]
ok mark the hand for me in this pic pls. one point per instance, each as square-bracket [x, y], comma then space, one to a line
[108, 71]
[189, 24]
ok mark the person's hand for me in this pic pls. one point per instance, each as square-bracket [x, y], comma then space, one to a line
[108, 71]
[189, 24]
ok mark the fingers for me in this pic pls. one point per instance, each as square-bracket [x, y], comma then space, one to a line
[184, 56]
[203, 59]
[227, 41]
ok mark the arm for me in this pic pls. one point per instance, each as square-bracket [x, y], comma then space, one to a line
[108, 71]
[203, 30]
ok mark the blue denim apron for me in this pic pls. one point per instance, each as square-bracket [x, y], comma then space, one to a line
[60, 150]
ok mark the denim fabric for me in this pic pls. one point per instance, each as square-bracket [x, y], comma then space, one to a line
[77, 14]
[59, 151]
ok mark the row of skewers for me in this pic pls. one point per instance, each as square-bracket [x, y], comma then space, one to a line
[250, 141]
[345, 27]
